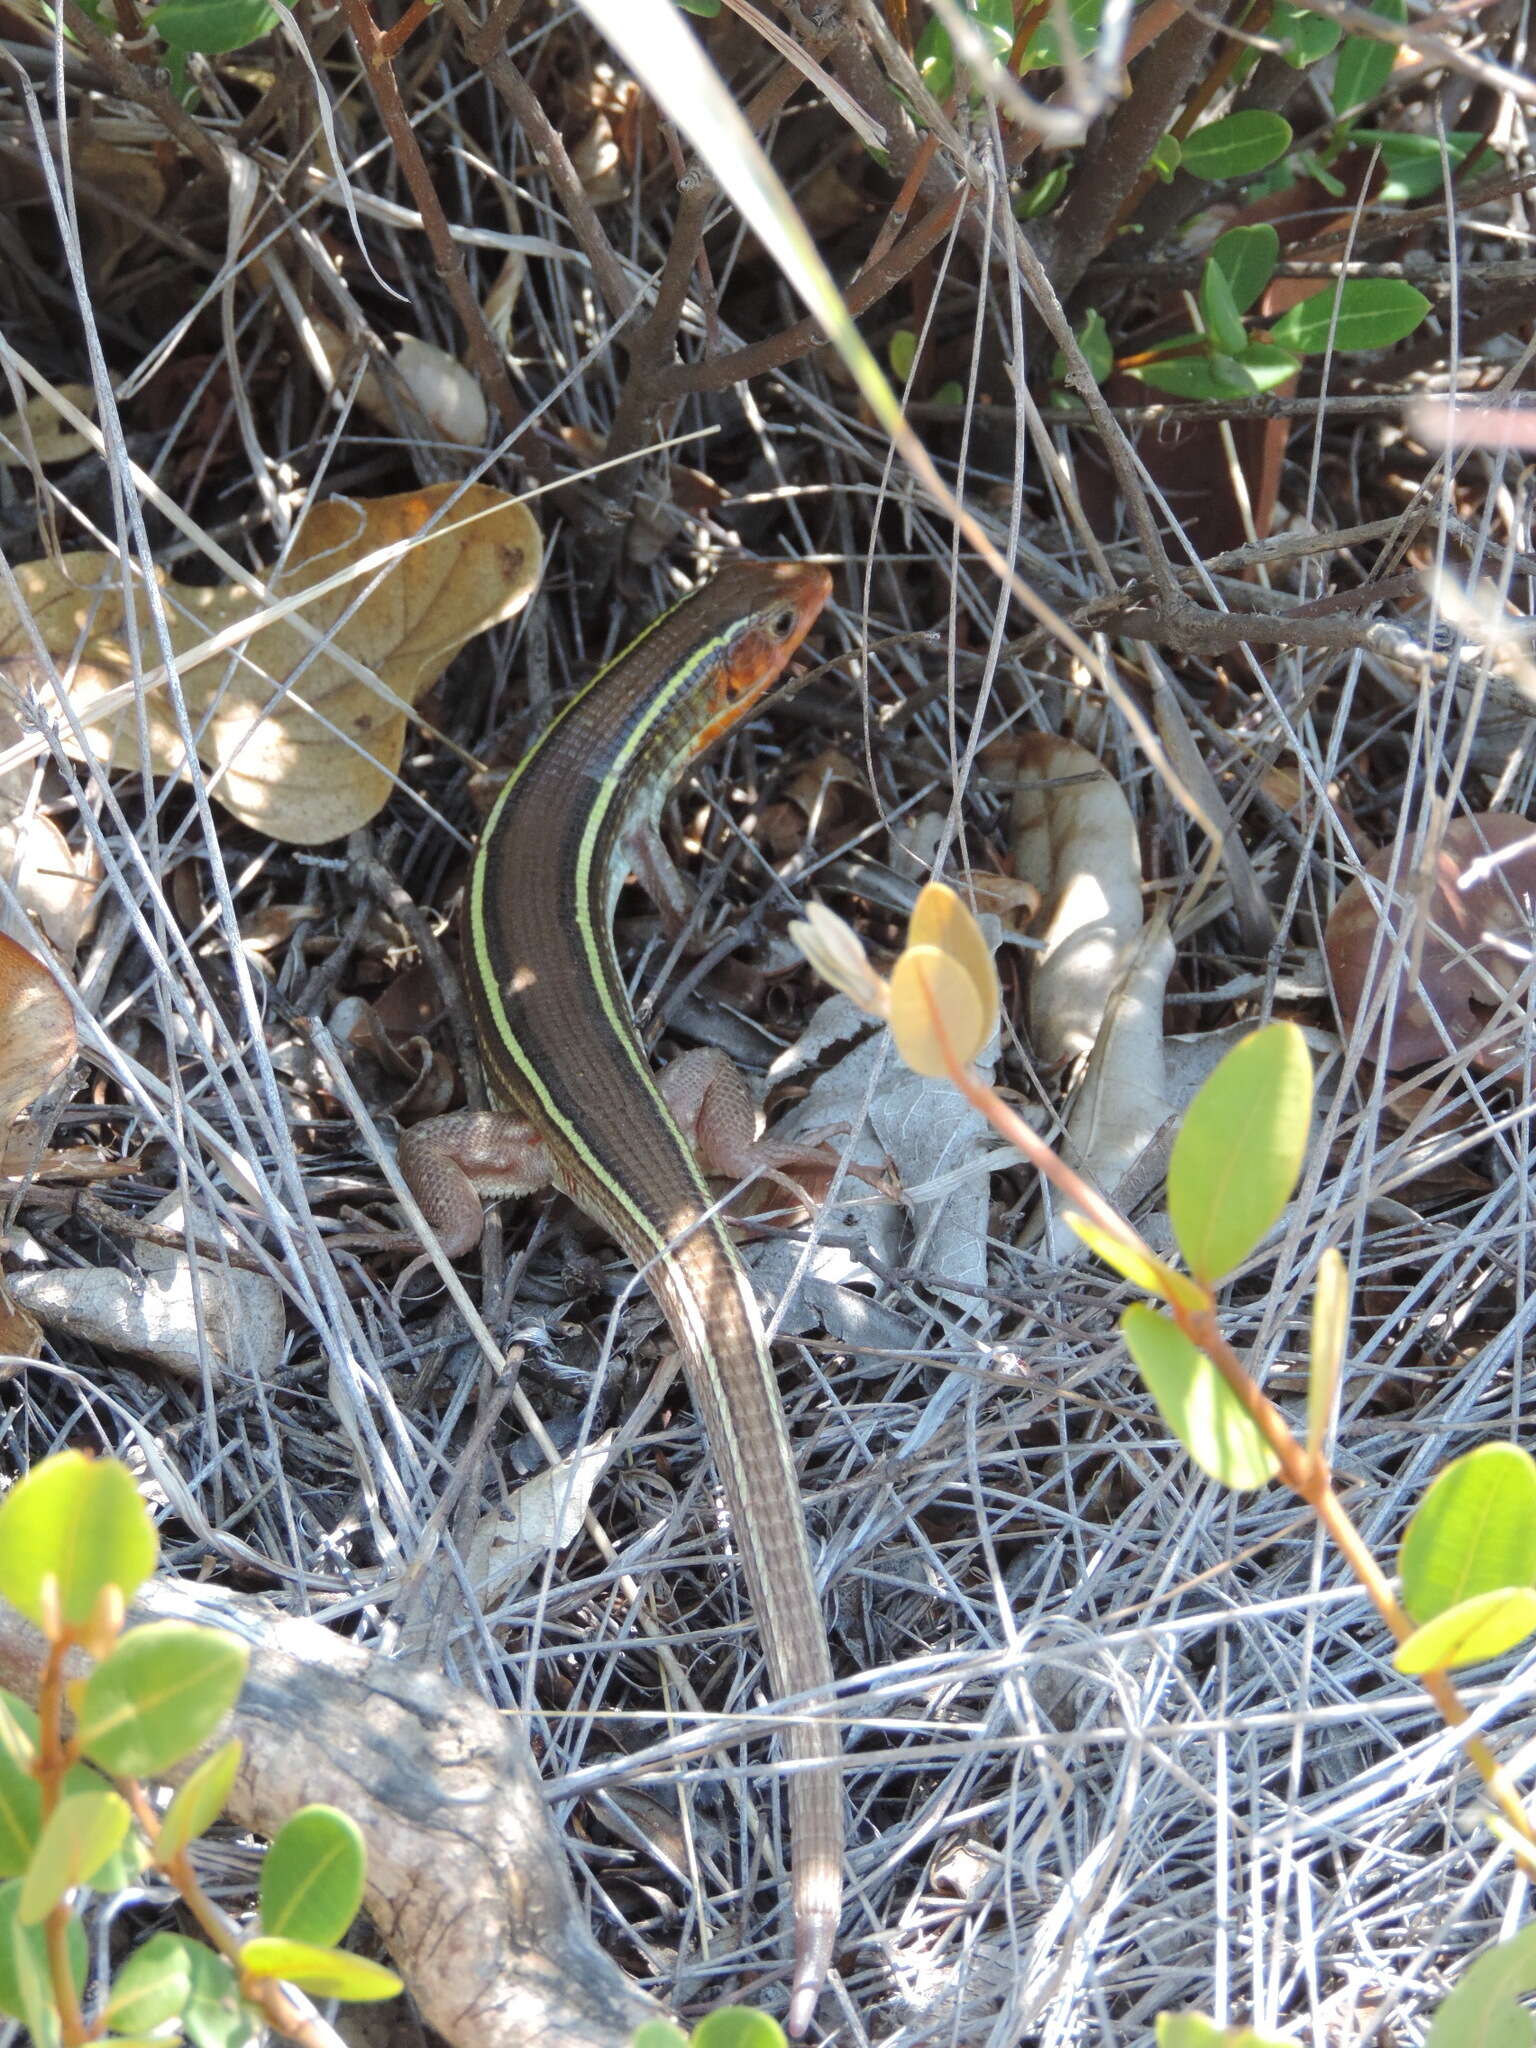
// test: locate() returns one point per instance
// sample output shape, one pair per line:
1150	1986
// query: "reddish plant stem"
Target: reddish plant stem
1307	1475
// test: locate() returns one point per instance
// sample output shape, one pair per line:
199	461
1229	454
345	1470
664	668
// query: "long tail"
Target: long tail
709	1303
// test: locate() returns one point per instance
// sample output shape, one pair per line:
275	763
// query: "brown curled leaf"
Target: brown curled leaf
1466	924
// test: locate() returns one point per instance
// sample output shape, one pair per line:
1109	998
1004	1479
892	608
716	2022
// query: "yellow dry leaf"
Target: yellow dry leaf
926	980
939	918
37	433
37	1029
297	744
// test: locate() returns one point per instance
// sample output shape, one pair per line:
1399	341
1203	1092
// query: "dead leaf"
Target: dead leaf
171	1312
1074	839
309	764
37	1029
54	886
430	384
1465	926
38	433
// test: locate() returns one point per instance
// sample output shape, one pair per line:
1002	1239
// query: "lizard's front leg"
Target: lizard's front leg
454	1164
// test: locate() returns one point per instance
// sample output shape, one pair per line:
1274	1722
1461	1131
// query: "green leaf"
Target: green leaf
1194	2030
1167	155
1043	50
1485	1626
705	9
154	1985
215	2015
323	1972
1415	163
81	1519
1237	145
1137	1264
1239	1150
1184	376
1196	1402
312	1880
658	2034
949	393
1474	1531
77	1838
128	1860
215	26
18	1730
20	1944
1037	200
1246	258
1304	38
1229	376
199	1802
1268	366
738	2026
1373	312
902	350
935	59
21	1796
160	1694
1093	340
1218	309
1481	2009
1365	62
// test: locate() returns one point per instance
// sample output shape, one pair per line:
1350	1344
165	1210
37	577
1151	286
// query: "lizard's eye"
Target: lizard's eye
783	622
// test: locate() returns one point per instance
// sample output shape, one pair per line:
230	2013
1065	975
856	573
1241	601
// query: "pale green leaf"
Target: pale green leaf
1194	2030
82	1520
1481	2011
23	1952
312	1879
738	2026
154	1985
160	1694
77	1839
1488	1625
199	1801
323	1972
1196	1402
1138	1265
1474	1531
1239	1150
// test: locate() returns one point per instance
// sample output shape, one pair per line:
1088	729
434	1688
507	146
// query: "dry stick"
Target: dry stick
130	83
484	354
1254	21
483	46
653	347
1072	238
1303	1471
807	337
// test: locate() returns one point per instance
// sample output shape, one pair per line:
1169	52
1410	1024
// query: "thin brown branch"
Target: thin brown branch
484	354
719	373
